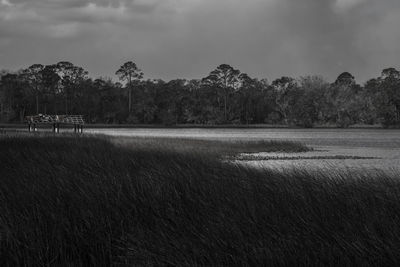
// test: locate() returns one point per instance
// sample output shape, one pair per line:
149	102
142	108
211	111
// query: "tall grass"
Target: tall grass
209	147
80	201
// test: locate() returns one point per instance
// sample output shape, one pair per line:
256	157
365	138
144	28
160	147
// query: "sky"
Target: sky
171	39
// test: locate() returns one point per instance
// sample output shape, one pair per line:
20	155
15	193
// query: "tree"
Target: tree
390	73
342	100
345	78
130	73
385	92
50	83
15	96
284	88
226	78
310	101
33	76
391	83
71	78
248	98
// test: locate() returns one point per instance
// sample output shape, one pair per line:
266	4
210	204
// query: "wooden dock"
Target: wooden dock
55	120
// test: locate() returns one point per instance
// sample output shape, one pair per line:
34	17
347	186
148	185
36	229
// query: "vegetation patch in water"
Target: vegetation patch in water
264	158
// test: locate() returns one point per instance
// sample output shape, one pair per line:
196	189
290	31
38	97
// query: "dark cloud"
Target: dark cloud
187	38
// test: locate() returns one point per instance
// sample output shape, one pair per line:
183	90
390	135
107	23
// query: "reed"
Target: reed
94	201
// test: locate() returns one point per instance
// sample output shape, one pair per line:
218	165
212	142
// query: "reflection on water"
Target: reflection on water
378	143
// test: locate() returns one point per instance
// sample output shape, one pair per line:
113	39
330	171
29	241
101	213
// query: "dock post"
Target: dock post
35	128
81	128
29	127
57	128
54	128
75	128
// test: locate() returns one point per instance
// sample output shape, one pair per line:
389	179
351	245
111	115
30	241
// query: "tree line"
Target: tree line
225	96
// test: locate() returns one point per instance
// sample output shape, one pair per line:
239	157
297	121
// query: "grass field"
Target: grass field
97	201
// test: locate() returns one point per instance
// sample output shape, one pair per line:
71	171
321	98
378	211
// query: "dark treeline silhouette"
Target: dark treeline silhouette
225	96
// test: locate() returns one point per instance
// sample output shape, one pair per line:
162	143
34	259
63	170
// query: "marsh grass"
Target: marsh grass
264	158
90	201
209	147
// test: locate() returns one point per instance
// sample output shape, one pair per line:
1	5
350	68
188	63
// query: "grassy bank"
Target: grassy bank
79	201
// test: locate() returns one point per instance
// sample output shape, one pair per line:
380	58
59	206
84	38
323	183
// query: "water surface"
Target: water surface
382	145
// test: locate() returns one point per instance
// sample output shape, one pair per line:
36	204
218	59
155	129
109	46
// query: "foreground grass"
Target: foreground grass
79	201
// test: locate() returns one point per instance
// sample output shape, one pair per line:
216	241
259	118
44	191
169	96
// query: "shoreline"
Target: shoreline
199	126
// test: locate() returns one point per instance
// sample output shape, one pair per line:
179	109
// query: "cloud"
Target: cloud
347	4
187	38
5	3
63	30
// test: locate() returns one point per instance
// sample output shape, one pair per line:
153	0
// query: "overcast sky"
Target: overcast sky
188	38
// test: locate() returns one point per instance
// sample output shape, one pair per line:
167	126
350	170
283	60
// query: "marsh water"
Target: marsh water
373	149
